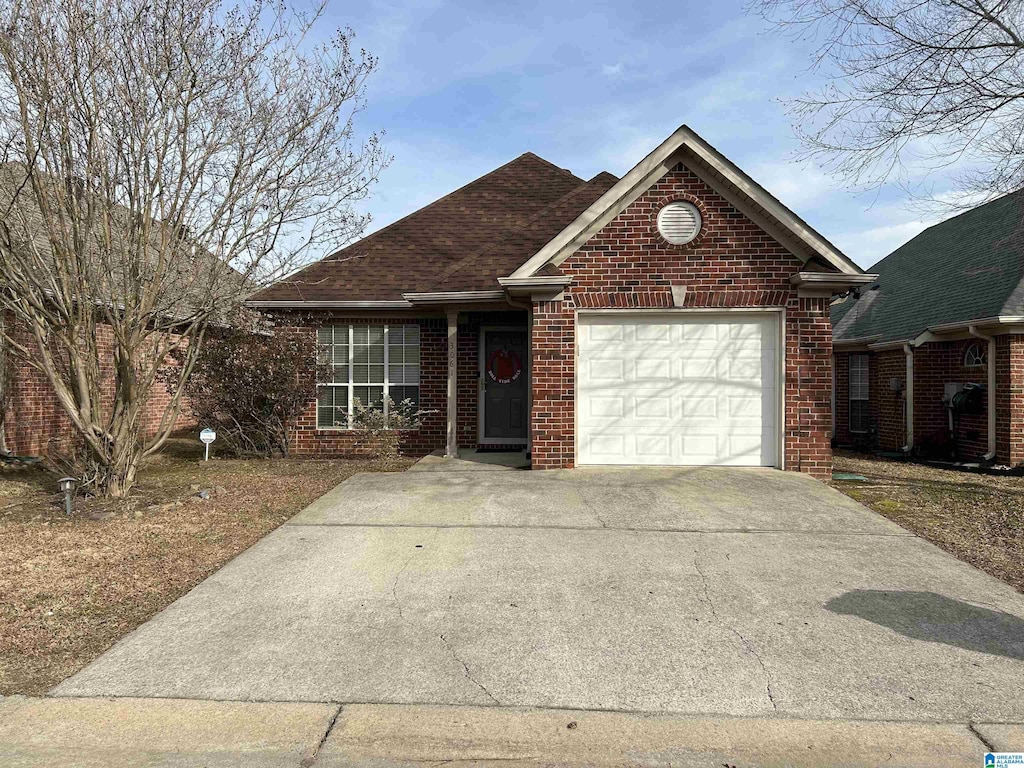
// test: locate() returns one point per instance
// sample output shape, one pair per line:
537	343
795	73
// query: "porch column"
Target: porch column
452	443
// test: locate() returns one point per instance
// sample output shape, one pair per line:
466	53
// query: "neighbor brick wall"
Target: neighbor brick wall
734	263
1010	399
935	364
37	425
887	406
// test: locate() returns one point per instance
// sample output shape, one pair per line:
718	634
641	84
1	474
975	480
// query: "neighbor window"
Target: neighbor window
366	363
858	393
974	357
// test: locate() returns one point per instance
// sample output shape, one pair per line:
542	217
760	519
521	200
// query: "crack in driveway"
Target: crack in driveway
398	577
747	645
587	504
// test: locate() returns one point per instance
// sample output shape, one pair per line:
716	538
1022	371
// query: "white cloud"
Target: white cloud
611	70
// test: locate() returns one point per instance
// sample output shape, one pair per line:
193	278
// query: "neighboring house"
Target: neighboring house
929	358
32	421
675	316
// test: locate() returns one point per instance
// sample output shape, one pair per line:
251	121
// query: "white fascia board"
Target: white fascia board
453	297
329	304
964	324
831	278
542	281
645	173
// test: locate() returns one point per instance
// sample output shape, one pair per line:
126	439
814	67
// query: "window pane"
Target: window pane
376	374
361	374
332	407
372	397
333	351
858	415
400	394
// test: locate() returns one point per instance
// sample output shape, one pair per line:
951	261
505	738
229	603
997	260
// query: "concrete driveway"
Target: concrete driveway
701	591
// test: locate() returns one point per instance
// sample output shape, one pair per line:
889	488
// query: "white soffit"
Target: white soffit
685	146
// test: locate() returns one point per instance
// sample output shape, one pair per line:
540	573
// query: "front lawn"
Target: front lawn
979	518
71	587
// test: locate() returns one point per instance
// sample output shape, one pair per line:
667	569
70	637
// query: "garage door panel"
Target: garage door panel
675	390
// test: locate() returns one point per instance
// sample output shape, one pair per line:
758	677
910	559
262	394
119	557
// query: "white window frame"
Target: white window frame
980	355
866	370
351	385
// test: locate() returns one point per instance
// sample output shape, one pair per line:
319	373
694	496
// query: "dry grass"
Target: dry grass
979	518
71	587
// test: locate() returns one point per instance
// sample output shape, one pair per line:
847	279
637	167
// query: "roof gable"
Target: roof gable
686	147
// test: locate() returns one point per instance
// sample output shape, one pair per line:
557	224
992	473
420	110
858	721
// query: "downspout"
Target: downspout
908	350
973	330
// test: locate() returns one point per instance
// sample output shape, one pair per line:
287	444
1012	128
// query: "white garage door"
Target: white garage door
678	389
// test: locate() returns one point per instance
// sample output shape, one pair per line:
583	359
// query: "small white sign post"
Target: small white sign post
207	436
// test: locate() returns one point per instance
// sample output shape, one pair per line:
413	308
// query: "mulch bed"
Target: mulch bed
71	587
979	518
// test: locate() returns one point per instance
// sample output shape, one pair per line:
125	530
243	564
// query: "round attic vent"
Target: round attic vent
679	222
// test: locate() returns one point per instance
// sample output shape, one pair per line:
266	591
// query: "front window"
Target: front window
368	365
859	393
974	357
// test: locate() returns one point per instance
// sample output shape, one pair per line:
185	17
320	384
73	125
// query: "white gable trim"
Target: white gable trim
676	148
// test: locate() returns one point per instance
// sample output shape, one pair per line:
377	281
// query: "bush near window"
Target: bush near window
252	388
382	425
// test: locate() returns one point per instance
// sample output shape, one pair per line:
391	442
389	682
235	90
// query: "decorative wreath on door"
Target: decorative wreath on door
504	366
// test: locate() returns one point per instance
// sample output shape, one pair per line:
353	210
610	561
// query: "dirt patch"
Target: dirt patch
979	518
73	586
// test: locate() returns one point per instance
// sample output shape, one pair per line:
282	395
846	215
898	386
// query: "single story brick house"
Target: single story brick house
676	316
929	358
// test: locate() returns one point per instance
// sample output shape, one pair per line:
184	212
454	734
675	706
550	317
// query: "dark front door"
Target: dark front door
505	382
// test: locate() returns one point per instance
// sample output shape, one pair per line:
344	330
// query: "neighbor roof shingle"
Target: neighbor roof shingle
966	268
464	241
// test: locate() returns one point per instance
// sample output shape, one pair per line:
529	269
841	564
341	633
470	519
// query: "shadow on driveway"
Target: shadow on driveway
937	619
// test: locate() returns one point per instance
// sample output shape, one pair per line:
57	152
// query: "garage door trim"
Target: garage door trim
780	365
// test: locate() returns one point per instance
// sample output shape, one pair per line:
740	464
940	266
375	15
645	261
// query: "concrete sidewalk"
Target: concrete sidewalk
174	733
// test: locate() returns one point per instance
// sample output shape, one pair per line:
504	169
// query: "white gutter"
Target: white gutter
908	350
973	330
330	304
453	297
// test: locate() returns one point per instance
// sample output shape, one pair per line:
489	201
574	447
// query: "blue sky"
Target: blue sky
464	87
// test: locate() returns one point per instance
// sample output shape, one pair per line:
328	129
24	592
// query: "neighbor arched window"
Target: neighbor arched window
974	357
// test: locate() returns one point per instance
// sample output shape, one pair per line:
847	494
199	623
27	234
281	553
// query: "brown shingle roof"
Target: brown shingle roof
464	241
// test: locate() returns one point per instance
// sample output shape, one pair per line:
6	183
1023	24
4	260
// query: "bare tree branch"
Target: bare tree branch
937	84
161	161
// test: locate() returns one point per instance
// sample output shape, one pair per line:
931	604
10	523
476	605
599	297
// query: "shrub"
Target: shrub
382	426
253	387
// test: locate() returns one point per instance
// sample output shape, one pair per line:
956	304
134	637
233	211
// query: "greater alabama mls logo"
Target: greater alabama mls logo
998	759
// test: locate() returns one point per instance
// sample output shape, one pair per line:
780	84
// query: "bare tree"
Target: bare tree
912	85
163	159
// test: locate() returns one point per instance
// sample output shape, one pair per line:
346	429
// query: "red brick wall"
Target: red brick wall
733	263
1010	399
308	440
935	364
37	425
887	406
